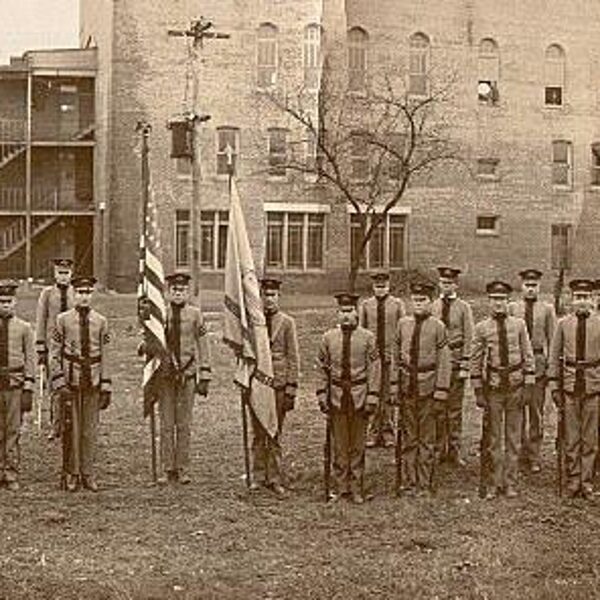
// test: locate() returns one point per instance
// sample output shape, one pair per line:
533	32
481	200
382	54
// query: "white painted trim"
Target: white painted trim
297	207
395	210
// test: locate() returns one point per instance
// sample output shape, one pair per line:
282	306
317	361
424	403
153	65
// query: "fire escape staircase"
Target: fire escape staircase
14	236
12	140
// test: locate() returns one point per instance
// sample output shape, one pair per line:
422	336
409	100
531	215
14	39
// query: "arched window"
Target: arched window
489	72
418	64
266	56
358	40
312	56
554	76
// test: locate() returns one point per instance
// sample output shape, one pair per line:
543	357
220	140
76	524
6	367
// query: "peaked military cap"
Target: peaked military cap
66	263
178	279
449	272
582	285
380	275
346	299
498	288
8	287
531	274
83	282
422	288
270	282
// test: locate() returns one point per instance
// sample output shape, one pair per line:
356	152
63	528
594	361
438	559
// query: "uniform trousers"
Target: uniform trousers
348	429
82	405
175	409
581	441
449	421
381	423
418	441
505	413
532	430
10	425
267	455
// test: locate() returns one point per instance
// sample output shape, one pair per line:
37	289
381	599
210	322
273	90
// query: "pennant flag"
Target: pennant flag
153	309
245	328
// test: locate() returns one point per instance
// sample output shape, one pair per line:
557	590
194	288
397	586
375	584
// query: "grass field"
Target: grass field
213	540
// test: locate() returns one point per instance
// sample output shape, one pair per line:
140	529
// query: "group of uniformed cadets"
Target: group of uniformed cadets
376	361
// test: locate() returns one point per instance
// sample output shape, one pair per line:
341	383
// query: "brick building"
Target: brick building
47	205
525	109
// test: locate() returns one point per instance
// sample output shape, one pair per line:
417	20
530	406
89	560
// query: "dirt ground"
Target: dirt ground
213	540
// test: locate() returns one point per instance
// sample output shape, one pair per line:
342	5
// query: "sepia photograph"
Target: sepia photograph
299	299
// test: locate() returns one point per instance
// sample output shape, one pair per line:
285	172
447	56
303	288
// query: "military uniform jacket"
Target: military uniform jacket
544	323
485	358
434	366
459	330
194	353
365	367
19	356
563	347
66	359
284	352
393	310
48	308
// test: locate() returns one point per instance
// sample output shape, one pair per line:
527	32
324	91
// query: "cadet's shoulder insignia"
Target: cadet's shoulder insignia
106	337
57	335
202	330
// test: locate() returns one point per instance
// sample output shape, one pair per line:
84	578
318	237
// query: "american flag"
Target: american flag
153	309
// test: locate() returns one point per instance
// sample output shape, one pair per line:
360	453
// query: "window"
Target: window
183	166
359	157
386	247
394	164
488	225
295	240
266	56
182	238
561	246
277	152
562	163
313	156
487	168
489	72
228	140
357	59
418	64
554	74
312	56
213	238
595	169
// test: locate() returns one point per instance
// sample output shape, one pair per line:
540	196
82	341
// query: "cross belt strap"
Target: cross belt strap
420	369
509	369
73	358
340	383
456	344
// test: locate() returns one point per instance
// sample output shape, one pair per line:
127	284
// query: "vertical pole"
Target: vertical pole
28	228
196	175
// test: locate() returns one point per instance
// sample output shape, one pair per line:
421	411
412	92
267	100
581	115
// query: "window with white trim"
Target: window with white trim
295	240
266	76
227	137
312	56
562	163
488	225
554	75
387	245
359	156
277	151
213	238
560	248
182	238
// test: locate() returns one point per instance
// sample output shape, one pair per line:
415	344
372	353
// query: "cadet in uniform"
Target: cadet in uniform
457	316
540	320
17	367
52	301
575	349
502	346
380	314
79	373
267	454
349	379
186	372
422	371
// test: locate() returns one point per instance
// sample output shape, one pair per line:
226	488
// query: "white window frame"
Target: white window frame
271	40
276	176
183	223
217	220
236	150
423	52
569	164
552	64
311	56
489	71
357	46
488	232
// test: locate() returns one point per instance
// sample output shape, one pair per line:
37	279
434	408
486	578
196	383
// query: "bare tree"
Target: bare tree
367	146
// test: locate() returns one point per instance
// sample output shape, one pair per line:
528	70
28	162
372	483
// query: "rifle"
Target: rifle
66	432
41	396
484	443
327	445
399	424
560	429
245	399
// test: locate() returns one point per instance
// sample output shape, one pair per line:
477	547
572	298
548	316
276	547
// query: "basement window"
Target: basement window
488	225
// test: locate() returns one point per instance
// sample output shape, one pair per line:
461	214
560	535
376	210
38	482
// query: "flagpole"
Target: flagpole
244	393
145	128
